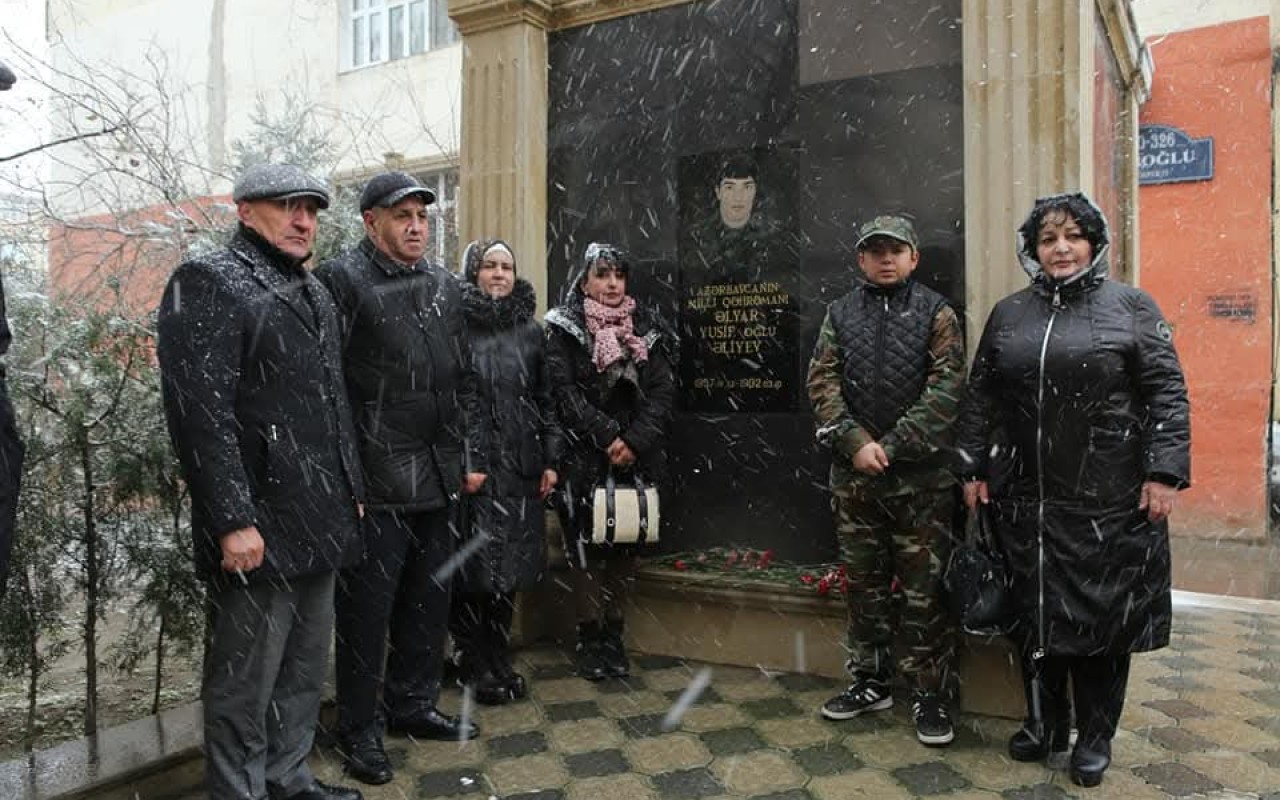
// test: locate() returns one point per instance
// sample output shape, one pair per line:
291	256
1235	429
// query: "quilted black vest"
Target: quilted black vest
885	337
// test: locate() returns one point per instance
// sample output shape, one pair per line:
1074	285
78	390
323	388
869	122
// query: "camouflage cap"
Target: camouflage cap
894	227
279	182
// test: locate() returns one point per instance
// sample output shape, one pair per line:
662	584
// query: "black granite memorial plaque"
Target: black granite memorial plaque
739	250
847	110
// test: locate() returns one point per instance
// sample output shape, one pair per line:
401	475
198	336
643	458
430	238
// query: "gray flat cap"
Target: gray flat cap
279	182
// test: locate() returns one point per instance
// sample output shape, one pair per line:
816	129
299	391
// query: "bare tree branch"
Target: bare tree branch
79	137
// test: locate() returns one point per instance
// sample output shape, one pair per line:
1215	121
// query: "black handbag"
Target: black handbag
977	581
624	514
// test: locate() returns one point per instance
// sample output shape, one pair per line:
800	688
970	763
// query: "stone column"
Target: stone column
1022	138
503	176
1029	119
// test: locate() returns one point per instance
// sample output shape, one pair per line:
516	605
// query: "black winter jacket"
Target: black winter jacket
1080	383
409	378
12	455
251	369
594	413
885	335
524	438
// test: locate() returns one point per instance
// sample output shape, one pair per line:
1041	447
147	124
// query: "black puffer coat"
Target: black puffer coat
524	439
594	412
409	378
251	370
1079	381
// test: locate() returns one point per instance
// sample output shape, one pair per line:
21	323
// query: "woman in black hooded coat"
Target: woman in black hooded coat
526	444
612	372
1077	380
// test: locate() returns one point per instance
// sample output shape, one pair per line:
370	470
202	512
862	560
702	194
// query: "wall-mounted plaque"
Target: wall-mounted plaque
738	256
1168	155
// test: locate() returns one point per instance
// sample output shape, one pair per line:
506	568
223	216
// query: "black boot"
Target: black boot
503	609
1036	741
517	687
1048	737
614	651
1089	760
1099	683
588	655
364	758
478	672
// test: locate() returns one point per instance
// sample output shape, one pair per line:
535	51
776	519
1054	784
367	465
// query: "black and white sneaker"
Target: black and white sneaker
863	696
933	722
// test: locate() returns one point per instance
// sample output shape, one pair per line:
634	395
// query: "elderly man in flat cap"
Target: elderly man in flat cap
414	394
251	366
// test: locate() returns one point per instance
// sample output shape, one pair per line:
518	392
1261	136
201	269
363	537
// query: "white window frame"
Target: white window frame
442	211
366	22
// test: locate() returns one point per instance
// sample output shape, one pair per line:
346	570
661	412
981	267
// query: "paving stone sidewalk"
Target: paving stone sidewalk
1202	720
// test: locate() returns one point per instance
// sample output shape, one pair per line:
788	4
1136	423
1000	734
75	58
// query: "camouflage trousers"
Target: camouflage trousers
894	550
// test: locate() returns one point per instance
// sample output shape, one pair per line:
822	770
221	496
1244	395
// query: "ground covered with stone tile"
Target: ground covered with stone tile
1202	721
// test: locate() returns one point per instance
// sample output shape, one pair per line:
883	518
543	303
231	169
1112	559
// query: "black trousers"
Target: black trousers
1097	684
392	613
481	626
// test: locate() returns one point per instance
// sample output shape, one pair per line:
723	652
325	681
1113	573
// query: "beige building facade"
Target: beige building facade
197	80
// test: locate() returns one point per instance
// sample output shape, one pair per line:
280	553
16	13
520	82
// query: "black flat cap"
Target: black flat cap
388	188
7	78
279	182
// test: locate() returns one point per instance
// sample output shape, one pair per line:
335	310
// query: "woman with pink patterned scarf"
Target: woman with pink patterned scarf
611	364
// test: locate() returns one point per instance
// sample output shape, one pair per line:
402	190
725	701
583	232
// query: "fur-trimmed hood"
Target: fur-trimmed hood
485	312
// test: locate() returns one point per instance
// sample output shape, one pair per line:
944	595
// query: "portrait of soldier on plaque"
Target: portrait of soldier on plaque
735	239
738	259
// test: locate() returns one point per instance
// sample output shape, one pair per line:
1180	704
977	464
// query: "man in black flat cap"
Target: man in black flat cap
410	382
251	369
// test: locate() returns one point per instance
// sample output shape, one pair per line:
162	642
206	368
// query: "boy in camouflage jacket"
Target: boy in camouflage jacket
885	383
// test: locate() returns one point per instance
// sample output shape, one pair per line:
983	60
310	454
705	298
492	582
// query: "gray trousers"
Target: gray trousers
264	668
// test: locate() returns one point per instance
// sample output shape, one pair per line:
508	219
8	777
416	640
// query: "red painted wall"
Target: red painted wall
1205	241
91	254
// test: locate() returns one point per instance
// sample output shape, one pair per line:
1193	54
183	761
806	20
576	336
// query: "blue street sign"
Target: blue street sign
1167	155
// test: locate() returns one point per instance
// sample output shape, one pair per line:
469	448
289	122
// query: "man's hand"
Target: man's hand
242	550
548	484
975	492
871	459
621	454
1157	500
472	481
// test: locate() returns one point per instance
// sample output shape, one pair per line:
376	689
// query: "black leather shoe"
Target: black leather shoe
321	791
431	724
364	759
1088	763
491	690
516	686
1030	744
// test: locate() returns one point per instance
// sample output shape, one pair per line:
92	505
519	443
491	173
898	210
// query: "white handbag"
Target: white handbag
624	514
